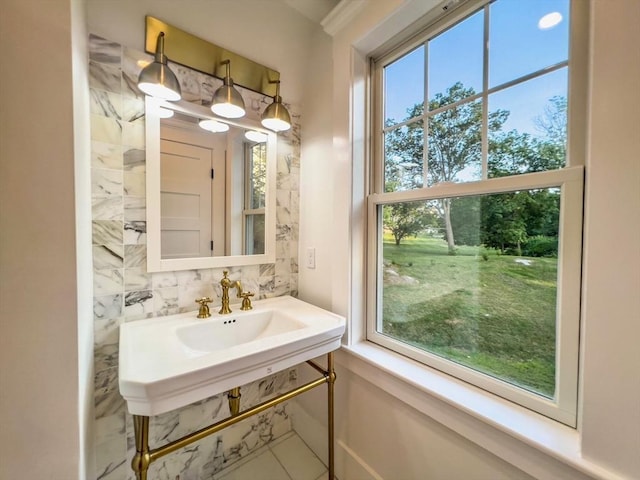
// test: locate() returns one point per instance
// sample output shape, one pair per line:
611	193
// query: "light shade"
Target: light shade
157	79
164	112
227	101
255	136
212	125
276	117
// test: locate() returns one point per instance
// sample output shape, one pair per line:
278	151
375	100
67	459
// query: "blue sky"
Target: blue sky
517	47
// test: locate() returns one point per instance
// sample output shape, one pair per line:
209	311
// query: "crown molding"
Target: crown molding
341	15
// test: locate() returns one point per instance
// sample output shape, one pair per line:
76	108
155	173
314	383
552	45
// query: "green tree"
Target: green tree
513	152
454	146
406	219
542	212
403	171
552	124
466	220
503	221
551	146
509	220
403	166
454	143
510	153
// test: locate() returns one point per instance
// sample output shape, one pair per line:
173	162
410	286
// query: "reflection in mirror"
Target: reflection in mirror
210	189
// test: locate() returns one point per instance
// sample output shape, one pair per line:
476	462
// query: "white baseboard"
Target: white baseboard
349	465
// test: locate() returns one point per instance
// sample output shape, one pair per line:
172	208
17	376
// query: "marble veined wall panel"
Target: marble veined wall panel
124	290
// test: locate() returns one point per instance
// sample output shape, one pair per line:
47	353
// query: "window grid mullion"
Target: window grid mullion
379	146
484	137
425	122
490	91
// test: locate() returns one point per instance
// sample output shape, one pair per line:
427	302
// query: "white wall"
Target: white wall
40	433
399	443
317	175
316	222
374	428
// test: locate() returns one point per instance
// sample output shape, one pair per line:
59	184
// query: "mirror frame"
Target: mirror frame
155	262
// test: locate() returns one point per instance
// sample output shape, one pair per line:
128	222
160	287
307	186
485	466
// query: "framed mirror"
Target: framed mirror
211	189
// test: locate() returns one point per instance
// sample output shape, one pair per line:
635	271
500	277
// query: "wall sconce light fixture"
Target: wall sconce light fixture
157	79
276	117
227	101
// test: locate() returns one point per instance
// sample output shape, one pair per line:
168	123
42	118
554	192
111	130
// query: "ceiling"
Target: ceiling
314	10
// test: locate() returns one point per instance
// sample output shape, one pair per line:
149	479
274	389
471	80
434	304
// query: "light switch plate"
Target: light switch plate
311	257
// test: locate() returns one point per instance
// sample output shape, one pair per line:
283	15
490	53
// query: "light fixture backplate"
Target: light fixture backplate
193	52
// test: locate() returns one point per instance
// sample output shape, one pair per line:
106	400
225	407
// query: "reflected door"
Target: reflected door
192	221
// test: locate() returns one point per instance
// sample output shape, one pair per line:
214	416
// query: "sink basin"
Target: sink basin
219	333
169	362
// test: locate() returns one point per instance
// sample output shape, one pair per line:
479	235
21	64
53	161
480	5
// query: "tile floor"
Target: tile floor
287	458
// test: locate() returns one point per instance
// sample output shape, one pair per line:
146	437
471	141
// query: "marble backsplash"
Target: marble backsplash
124	291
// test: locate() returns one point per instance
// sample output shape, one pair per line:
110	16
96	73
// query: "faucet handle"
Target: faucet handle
246	300
204	308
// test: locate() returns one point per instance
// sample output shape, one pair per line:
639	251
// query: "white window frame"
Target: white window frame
570	180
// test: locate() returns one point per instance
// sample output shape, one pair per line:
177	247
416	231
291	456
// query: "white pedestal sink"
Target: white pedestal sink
169	362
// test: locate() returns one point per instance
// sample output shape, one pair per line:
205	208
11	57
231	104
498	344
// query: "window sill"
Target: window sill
537	445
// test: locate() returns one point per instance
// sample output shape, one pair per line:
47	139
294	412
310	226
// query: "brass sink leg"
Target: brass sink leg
331	378
234	400
141	460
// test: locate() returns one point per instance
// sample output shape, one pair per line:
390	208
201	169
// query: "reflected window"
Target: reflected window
255	198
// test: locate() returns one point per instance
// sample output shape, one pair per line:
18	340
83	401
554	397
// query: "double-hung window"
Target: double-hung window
475	201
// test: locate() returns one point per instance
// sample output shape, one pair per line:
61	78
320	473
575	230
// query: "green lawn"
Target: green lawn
492	314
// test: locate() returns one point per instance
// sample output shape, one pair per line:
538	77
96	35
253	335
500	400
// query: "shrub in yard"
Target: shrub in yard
541	246
514	251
